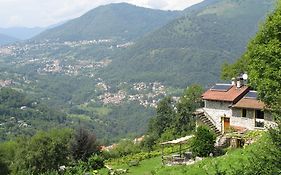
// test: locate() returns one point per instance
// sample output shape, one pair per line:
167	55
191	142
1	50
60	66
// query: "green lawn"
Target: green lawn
145	167
233	158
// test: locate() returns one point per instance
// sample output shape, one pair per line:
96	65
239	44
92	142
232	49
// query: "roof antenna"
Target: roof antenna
245	77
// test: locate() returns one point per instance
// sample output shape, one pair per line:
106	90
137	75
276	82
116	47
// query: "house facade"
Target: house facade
251	113
235	106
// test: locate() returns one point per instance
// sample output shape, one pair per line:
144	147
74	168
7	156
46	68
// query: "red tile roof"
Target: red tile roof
232	95
249	103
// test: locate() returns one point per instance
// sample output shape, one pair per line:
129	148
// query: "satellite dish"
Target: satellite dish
245	76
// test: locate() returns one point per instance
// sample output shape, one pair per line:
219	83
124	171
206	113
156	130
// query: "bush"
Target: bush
43	152
84	145
123	148
203	143
148	143
96	162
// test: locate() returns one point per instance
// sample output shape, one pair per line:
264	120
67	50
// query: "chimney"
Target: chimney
233	81
239	82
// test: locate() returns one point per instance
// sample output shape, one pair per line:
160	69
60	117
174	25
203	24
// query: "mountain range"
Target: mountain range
22	33
192	48
170	49
25	33
175	47
114	21
5	39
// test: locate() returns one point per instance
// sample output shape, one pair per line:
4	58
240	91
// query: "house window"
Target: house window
259	118
259	114
259	123
244	113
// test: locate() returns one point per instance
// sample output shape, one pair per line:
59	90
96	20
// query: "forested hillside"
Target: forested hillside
192	48
22	115
71	93
114	21
113	86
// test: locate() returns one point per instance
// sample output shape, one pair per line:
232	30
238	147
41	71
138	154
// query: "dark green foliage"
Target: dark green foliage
22	116
4	167
148	142
175	119
96	162
164	117
114	21
84	145
203	142
7	155
262	60
42	152
12	98
268	160
264	161
188	103
45	152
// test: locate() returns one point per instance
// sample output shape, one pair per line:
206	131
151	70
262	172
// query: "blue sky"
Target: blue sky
32	13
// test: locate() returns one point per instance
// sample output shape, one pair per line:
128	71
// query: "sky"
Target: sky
42	13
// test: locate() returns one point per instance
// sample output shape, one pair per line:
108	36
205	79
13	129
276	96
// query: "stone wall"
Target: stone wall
249	121
217	105
216	110
246	122
216	116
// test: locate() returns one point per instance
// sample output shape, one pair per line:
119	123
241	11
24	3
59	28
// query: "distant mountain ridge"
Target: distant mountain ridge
5	39
22	33
191	49
120	20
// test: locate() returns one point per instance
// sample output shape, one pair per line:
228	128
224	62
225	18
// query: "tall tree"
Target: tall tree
203	142
188	103
84	145
164	116
262	61
43	152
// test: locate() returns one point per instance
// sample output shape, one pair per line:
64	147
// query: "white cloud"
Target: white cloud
46	12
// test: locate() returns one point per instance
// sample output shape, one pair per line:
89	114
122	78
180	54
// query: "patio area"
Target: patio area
181	157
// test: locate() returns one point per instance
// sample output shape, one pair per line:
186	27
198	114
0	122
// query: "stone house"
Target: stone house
233	106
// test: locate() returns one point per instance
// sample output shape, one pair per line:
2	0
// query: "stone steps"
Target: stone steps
207	122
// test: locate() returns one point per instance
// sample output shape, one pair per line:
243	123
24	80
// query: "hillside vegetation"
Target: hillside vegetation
192	48
65	151
114	21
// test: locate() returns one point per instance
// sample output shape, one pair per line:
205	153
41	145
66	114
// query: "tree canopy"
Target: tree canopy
174	118
262	60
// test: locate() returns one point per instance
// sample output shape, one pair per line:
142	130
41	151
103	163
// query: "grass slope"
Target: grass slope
233	159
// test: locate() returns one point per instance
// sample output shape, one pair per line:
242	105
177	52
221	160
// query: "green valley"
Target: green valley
120	90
